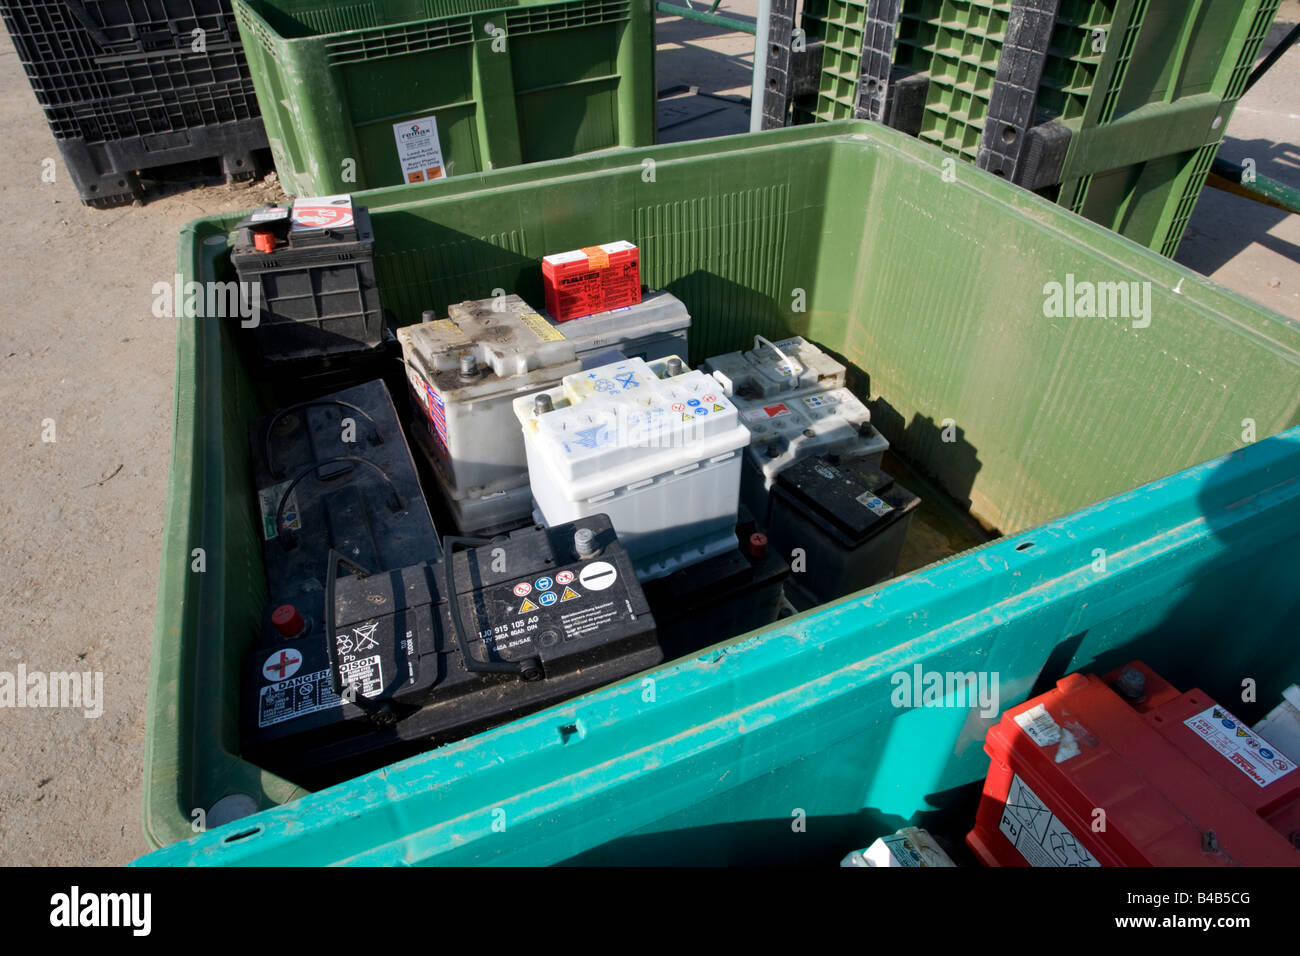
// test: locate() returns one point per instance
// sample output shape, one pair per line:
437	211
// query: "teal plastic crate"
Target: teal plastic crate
505	83
1145	89
1025	418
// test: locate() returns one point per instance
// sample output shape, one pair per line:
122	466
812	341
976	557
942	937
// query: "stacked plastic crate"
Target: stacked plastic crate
1112	108
129	85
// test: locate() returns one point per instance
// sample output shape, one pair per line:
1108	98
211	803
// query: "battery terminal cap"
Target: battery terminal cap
757	545
264	241
288	621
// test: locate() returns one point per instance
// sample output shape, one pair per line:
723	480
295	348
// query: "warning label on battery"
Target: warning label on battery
365	675
297	697
1036	833
418	150
269	499
873	504
1240	746
541	328
579	623
766	412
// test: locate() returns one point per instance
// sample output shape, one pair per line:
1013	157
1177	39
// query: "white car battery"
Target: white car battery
464	371
654	445
793	399
654	328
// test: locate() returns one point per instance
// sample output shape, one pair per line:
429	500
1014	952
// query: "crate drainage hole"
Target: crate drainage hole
242	835
569	731
1024	546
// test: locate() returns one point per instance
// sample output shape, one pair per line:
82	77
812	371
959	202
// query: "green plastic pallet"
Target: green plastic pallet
1145	87
836	232
506	83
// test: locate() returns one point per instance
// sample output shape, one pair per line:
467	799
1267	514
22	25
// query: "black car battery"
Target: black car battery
538	616
720	597
336	473
840	523
313	269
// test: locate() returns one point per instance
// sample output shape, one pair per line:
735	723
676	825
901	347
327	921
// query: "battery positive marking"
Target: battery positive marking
527	606
1036	833
570	595
523	589
1240	746
598	575
548	599
281	665
564	577
543	583
296	697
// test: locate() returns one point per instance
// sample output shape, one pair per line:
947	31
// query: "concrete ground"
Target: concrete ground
86	382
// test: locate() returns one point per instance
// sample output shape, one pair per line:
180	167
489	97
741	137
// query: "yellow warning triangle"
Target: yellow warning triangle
718	408
1241	732
527	606
686	418
569	594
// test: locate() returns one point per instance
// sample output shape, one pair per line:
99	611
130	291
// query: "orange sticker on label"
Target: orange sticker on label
597	257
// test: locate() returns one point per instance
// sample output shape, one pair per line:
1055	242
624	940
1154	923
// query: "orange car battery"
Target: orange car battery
1127	771
594	279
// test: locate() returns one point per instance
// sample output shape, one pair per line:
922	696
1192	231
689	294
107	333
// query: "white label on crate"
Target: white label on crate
269	500
322	212
598	575
1039	725
1240	746
419	151
765	413
1036	833
297	697
873	504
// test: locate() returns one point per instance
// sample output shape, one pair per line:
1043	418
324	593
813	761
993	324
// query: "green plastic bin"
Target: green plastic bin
505	83
1026	417
1145	89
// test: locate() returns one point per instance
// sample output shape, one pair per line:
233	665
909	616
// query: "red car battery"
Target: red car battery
591	280
1127	771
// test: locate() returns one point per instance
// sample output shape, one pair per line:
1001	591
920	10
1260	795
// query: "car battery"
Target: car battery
653	445
593	279
464	371
846	518
721	597
537	617
793	399
1127	771
313	267
336	473
656	327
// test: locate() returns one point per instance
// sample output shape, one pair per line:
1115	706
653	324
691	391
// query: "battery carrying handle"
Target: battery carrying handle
530	668
795	368
285	536
276	472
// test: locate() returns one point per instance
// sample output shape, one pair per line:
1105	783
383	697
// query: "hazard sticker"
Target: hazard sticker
766	412
522	589
527	606
564	577
1240	746
1037	834
569	594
